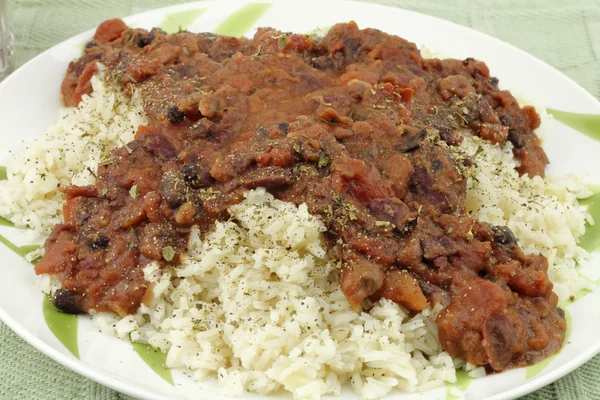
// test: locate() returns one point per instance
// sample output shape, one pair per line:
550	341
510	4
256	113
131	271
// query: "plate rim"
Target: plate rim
133	389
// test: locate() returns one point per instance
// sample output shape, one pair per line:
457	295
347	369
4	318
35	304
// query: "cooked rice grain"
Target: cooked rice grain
544	214
257	303
67	154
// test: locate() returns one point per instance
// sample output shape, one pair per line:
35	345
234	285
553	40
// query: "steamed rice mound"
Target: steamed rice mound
258	303
543	213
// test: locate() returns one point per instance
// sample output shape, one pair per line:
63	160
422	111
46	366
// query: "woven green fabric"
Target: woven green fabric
565	34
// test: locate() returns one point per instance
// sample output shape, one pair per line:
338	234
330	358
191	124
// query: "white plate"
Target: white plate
29	102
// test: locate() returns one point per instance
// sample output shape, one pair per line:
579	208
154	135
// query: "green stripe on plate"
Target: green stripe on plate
319	31
242	20
22	251
581	294
82	45
535	369
180	21
5	222
155	359
62	325
590	240
588	124
463	381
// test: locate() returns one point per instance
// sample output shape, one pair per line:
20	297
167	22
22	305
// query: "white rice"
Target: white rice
66	154
544	214
257	304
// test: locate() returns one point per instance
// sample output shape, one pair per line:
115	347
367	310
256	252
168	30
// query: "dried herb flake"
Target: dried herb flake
133	192
323	160
282	42
168	253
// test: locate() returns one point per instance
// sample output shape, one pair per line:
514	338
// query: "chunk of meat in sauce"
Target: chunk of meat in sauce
358	126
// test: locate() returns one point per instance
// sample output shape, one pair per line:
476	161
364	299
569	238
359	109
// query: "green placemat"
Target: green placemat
565	34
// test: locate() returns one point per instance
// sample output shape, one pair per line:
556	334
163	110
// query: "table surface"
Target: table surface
563	33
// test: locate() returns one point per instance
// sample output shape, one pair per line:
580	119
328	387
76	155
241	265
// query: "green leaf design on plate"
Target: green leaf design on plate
5	222
463	380
581	294
242	20
588	124
180	20
82	45
62	325
535	369
155	360
22	251
591	238
319	31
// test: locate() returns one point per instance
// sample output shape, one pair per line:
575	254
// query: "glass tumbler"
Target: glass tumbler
6	40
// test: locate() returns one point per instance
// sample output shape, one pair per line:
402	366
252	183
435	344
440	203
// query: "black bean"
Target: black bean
504	235
90	44
283	127
150	37
67	301
494	82
96	242
517	139
140	41
506	120
174	115
195	176
436	164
